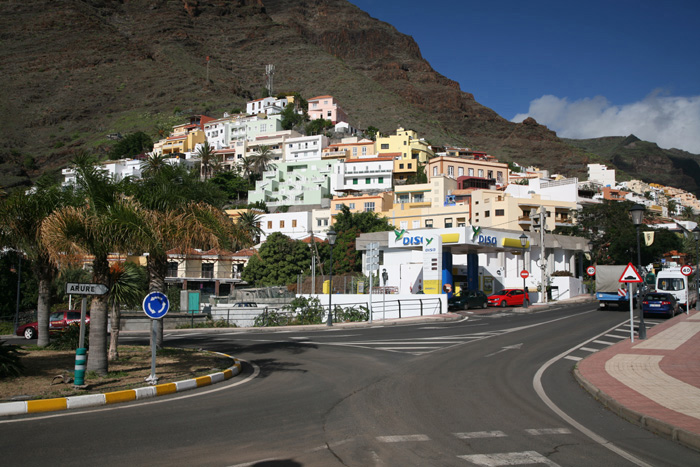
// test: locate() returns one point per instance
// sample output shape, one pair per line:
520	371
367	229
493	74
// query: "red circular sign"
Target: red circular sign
524	274
590	270
686	270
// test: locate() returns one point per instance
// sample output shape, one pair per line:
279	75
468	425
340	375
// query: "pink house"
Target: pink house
326	107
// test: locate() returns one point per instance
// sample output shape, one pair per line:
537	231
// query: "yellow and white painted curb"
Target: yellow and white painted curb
95	400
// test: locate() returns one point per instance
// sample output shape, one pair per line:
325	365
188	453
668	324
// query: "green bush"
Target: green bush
69	338
271	318
351	314
209	323
10	364
7	328
305	310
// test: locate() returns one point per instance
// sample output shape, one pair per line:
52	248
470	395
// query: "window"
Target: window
435	171
380	179
418	198
460	171
429	223
450	171
416	224
294	222
354	181
385	146
369	206
269	224
403	198
208	270
322	222
364	150
403	225
471	172
500	212
481	173
400	166
490	174
172	269
329	113
281	224
487	213
354	151
410	165
368	181
351	206
448	223
338	206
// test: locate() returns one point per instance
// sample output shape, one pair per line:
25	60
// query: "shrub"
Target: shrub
271	318
69	338
351	314
306	310
10	364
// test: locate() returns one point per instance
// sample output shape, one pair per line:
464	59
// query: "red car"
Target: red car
508	297
58	321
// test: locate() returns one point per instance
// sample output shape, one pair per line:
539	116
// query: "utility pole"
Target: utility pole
538	217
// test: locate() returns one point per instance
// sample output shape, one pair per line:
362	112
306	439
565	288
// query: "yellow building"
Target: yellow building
180	143
456	167
377	202
410	147
494	208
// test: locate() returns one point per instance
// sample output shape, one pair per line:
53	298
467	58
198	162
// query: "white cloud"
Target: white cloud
670	122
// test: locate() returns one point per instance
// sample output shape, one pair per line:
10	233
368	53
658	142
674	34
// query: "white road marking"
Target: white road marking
571	357
509	458
300	338
615	336
587	349
598	341
548	431
402	438
480	434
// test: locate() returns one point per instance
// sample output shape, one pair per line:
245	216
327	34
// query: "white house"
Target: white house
304	148
372	173
295	225
266	105
601	174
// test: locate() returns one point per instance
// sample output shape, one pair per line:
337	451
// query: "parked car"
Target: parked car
58	321
508	297
660	303
466	299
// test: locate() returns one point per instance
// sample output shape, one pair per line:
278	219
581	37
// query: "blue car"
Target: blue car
659	303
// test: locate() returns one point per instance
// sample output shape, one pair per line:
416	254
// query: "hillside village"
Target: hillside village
413	183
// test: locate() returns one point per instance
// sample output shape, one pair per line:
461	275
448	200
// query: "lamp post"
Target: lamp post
331	241
696	232
385	277
637	212
523	242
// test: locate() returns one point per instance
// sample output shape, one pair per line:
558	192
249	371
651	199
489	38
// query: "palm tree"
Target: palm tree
261	159
21	216
246	166
207	158
126	280
153	164
92	229
249	222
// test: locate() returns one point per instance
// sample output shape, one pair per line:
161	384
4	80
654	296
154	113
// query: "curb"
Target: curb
129	395
656	426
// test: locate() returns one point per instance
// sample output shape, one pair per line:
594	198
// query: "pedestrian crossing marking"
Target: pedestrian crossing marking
509	458
480	434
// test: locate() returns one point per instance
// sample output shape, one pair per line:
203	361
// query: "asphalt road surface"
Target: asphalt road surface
491	390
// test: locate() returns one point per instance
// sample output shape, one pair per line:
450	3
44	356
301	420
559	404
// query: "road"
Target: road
490	390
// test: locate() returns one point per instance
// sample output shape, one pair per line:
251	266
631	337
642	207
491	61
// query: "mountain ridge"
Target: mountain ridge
75	71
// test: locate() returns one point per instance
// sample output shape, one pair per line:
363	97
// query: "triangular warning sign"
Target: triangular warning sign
630	275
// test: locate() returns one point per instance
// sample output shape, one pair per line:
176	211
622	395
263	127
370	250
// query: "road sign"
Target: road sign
630	275
686	270
524	274
73	288
590	270
156	305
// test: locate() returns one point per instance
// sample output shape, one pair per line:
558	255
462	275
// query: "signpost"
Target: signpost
686	270
155	305
76	288
631	276
524	274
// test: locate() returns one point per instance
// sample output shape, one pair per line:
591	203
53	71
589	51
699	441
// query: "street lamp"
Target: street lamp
385	277
523	242
331	241
696	232
637	213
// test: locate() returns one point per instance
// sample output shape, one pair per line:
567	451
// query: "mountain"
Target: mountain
75	71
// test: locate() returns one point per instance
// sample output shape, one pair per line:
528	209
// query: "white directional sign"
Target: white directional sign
86	289
156	305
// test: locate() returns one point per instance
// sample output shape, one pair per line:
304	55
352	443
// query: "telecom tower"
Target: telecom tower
270	72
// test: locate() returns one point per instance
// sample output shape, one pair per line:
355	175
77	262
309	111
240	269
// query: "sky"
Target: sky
584	69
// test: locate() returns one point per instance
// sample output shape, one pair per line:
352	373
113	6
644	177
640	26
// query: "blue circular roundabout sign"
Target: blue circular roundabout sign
156	305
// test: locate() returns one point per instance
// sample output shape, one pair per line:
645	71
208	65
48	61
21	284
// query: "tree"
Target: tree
91	229
128	287
318	126
206	155
132	145
349	226
278	261
235	186
371	132
249	222
261	159
290	117
21	216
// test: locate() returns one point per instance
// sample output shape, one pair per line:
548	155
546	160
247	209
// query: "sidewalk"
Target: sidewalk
653	383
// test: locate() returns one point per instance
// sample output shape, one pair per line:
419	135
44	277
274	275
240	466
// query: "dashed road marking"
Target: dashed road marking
480	434
548	431
402	438
615	336
588	349
571	357
598	341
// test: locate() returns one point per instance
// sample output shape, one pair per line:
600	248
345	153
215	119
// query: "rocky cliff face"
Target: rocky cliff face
74	71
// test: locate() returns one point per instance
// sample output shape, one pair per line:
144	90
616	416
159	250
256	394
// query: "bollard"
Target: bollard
80	361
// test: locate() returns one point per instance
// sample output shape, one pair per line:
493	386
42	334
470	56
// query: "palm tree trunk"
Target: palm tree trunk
97	356
115	317
157	264
43	308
